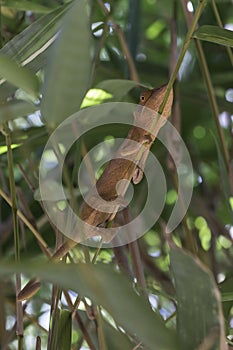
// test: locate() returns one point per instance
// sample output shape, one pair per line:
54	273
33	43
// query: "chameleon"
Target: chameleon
128	164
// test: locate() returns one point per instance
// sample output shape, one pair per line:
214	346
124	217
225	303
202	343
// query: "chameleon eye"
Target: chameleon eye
142	98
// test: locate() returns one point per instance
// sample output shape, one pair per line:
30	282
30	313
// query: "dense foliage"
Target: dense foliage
162	291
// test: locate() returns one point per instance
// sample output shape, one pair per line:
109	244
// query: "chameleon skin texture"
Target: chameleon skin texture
120	168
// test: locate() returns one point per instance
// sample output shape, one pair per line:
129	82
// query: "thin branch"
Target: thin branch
184	49
19	309
21	216
219	21
209	86
136	260
121	37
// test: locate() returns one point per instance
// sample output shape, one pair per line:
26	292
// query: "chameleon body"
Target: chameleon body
122	169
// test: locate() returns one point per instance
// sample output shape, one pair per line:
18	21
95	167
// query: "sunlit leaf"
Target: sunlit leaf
155	29
94	97
3	149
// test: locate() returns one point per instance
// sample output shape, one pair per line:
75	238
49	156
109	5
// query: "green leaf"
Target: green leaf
226	288
116	339
30	47
94	97
227	296
68	72
53	193
16	109
20	76
224	177
64	330
24	5
108	288
118	87
215	35
199	312
28	44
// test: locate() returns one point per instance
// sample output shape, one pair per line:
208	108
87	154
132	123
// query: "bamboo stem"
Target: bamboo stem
184	49
19	309
210	89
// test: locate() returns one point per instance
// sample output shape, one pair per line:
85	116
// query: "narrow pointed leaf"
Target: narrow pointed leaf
109	289
30	47
28	44
115	339
215	35
199	312
117	87
224	177
15	109
64	330
19	76
67	76
25	5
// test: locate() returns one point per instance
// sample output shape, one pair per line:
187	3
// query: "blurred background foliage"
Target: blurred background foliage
76	54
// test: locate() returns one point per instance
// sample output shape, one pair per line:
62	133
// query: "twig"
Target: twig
19	309
191	30
219	21
43	244
83	329
38	343
136	260
121	37
209	86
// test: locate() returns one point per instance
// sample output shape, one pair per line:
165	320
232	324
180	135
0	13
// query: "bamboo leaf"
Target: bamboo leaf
226	288
117	87
215	35
24	46
30	47
224	177
64	330
19	76
115	339
68	71
24	5
109	289
199	312
15	109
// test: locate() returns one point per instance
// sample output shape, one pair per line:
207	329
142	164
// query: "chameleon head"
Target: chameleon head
153	99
